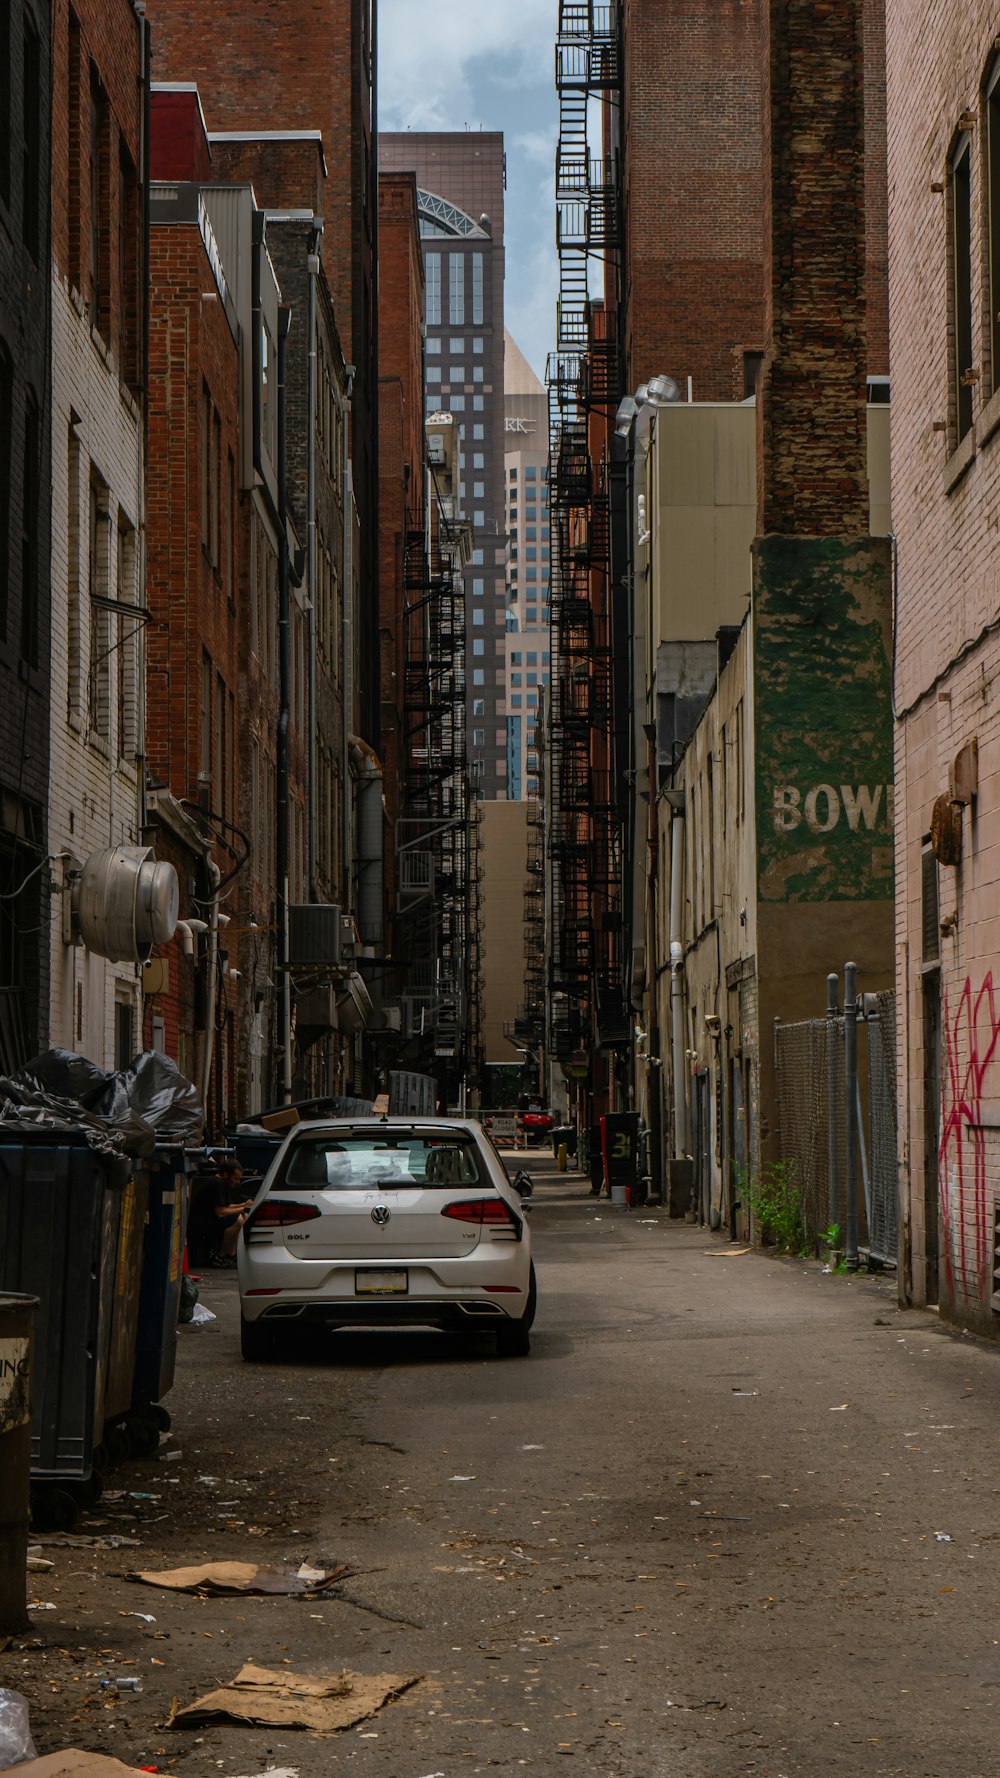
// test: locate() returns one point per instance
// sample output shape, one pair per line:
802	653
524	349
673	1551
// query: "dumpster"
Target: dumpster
60	1209
17	1329
118	1385
563	1134
168	1191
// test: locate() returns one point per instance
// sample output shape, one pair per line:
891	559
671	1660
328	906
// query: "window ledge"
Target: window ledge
76	300
129	402
103	351
959	461
989	419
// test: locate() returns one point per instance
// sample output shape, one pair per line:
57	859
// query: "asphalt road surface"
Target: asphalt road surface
731	1516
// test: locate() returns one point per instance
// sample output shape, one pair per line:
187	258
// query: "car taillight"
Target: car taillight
491	1213
277	1213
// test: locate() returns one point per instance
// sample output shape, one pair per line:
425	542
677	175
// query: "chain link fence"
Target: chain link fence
811	1091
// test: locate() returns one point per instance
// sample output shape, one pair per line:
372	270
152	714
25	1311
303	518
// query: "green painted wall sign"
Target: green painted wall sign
823	718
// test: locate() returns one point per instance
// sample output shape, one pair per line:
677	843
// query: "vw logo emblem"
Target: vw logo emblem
381	1214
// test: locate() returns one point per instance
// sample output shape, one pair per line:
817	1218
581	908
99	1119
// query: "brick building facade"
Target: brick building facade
98	478
401	470
195	581
25	535
945	356
308	66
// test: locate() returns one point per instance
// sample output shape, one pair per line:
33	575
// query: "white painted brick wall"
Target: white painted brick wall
92	801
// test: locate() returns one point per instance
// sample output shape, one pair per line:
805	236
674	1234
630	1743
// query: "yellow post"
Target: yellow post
561	1157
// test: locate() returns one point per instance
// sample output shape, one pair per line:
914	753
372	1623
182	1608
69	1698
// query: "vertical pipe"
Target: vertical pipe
851	1116
281	825
312	266
832	1156
678	1060
347	637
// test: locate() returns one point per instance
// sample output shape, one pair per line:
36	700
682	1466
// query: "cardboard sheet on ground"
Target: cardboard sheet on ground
323	1702
72	1762
244	1577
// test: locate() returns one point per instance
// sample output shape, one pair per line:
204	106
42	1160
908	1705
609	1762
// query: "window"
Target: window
456	373
531	533
433	375
532	699
477	404
456	289
930	910
531	573
478	587
228	508
961	243
479	431
128	255
478	676
479	706
478	645
477	345
6	448
515	701
531	615
479	737
531	473
456	345
532	659
457	404
432	285
531	553
31	184
515	660
31	501
433	347
532	678
478	460
477	289
219	766
515	678
215	477
478	373
100	220
479	490
98	579
478	617
205	768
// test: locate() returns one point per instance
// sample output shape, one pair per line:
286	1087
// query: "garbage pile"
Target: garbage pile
124	1113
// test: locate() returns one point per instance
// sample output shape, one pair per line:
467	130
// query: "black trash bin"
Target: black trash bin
60	1215
168	1194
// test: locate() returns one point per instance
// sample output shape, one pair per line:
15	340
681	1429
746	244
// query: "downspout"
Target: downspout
312	266
347	636
281	825
365	762
678	1060
143	596
212	964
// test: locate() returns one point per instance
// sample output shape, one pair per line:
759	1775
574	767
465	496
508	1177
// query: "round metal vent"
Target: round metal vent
125	902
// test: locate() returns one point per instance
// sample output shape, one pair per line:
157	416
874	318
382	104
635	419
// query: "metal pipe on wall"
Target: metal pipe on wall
312	267
678	1059
851	1116
284	717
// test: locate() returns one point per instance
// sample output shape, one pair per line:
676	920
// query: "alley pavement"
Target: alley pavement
733	1515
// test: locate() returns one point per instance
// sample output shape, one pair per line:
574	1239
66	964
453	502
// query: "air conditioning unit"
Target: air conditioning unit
123	901
314	935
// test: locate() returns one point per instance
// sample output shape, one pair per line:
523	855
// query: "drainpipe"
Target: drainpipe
212	964
281	824
678	1061
366	764
312	267
347	635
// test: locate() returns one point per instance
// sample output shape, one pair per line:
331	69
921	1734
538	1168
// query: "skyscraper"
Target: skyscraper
460	196
526	470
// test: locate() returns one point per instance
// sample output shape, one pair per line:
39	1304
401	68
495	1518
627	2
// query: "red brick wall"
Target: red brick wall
191	345
695	200
178	148
109	42
812	462
693	177
285	175
401	455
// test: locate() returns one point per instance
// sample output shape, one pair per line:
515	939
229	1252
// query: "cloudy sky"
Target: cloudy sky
447	63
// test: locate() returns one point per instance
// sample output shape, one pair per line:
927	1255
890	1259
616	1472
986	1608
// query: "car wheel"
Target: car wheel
514	1338
258	1344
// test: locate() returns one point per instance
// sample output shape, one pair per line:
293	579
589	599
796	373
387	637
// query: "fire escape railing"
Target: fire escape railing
581	819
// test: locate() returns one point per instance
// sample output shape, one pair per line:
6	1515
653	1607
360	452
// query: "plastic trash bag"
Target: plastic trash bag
188	1300
16	1744
148	1102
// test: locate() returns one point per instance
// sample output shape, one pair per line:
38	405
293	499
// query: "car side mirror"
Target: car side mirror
522	1184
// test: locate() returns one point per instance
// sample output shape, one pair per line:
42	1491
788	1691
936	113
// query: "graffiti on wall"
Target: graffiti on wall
971	1042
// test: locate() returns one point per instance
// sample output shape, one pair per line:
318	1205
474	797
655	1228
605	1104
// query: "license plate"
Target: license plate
381	1283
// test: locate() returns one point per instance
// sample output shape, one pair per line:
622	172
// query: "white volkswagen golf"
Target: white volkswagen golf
386	1222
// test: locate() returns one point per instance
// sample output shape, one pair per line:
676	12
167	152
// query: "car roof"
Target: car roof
371	1121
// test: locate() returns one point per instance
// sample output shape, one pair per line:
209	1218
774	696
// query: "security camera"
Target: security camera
713	1024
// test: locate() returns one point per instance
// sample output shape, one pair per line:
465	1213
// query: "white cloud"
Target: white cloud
425	47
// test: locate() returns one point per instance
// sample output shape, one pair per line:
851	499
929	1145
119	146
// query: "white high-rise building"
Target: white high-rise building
526	475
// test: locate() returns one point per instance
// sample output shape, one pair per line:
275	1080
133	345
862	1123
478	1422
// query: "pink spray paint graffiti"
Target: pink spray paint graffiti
971	1040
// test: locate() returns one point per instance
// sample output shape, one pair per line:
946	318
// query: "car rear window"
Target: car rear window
376	1159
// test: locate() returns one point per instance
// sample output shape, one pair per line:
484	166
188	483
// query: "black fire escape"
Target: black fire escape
437	843
581	817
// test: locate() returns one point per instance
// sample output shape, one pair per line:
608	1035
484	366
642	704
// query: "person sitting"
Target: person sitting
217	1215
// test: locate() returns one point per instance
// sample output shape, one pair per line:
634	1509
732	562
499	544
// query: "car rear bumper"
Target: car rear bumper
386	1312
489	1285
